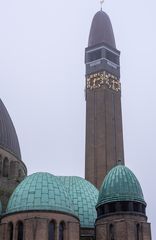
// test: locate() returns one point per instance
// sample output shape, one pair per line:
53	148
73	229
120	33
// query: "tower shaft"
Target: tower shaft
104	137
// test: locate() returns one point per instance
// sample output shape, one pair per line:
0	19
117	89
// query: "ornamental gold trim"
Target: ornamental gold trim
103	80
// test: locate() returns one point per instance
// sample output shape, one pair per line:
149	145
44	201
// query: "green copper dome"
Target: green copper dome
40	191
120	184
84	197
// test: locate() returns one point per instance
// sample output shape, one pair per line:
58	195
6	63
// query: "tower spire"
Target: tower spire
101	3
104	138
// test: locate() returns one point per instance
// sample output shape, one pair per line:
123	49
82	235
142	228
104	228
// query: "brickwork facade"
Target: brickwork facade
36	226
12	172
87	233
104	138
123	226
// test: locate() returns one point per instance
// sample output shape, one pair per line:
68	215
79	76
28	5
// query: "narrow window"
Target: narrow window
95	55
144	209
51	231
61	231
112	207
125	206
138	207
111	232
137	232
5	167
19	231
112	57
10	231
12	169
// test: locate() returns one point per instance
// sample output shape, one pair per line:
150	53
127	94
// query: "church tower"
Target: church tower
12	169
121	208
104	136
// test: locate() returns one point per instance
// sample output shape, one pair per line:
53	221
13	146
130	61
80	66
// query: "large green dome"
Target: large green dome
40	191
120	184
84	197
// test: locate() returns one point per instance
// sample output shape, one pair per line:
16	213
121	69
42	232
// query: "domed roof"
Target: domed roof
84	197
8	136
40	191
120	184
101	30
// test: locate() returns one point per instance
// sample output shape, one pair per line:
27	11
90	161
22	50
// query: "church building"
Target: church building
108	204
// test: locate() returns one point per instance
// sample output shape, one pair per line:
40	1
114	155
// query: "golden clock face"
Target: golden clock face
95	80
103	79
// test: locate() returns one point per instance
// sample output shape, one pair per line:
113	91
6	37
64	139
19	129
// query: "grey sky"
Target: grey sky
42	82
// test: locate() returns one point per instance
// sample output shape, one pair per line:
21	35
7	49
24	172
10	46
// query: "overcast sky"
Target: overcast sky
42	82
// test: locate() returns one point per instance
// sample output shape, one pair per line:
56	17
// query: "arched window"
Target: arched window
111	232
61	231
137	232
20	231
10	231
52	231
12	169
5	167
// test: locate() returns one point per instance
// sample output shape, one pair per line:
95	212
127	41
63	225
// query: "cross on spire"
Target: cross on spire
101	2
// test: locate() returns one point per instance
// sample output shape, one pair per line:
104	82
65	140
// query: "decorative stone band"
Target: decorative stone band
103	80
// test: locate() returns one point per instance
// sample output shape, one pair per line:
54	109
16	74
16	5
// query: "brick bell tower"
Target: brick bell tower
104	135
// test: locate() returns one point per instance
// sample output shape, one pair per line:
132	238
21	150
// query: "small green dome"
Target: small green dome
120	184
40	191
84	197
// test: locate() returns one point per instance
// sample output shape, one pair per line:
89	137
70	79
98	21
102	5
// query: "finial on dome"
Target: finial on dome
101	2
119	162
